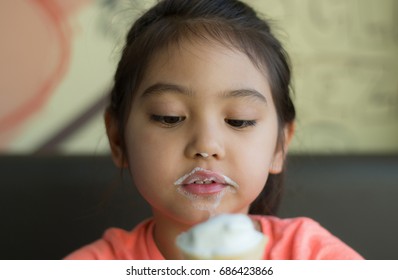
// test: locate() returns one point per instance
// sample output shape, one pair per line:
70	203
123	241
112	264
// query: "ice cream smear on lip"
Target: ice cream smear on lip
205	188
225	236
203	176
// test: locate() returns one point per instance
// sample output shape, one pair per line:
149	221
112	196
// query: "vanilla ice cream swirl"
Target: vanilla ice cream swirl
224	235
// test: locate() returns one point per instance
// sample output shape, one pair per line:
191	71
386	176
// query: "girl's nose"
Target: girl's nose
205	142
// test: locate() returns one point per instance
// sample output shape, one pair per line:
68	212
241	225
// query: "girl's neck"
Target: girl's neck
165	234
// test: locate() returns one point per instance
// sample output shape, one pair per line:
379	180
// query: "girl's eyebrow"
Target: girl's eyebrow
160	88
245	92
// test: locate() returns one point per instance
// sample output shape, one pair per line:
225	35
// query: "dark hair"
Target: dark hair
229	22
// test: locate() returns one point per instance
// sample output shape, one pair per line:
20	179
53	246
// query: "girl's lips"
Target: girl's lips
204	189
201	181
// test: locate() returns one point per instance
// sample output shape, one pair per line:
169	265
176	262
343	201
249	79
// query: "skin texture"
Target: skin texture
214	95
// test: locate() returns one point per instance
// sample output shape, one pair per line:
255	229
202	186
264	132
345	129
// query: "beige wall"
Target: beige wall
345	61
345	58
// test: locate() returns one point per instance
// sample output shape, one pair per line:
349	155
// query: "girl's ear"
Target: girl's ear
280	153
115	143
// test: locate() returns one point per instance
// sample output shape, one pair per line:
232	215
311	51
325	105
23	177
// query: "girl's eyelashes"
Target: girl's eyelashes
168	121
171	121
240	123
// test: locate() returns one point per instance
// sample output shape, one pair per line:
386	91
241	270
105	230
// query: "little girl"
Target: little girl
201	116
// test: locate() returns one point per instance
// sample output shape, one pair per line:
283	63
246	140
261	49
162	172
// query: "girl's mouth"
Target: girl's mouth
205	182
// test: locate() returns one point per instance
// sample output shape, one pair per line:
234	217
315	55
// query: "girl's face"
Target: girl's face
201	98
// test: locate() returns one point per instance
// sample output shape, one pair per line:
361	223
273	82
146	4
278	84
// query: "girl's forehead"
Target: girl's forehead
204	68
198	54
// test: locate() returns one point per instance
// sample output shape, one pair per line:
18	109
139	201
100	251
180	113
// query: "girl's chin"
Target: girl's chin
187	209
200	212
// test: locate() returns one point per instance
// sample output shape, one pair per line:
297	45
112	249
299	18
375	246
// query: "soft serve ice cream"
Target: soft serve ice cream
226	236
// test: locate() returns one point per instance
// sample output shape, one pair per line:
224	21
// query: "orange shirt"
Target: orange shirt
295	238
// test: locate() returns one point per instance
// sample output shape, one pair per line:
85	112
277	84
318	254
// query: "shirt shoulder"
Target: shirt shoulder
119	244
302	239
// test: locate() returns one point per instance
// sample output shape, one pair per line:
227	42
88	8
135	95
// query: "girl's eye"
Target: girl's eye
240	123
168	120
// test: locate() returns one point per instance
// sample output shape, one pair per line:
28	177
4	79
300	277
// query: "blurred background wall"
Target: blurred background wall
57	59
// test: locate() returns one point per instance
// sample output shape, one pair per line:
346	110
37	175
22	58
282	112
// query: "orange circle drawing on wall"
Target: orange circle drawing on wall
35	52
